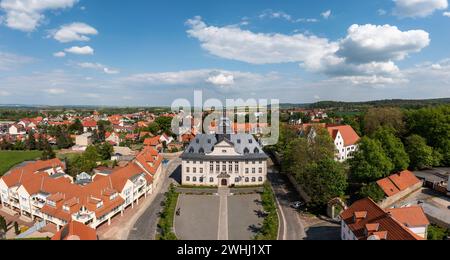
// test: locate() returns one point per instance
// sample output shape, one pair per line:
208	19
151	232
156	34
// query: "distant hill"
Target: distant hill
403	103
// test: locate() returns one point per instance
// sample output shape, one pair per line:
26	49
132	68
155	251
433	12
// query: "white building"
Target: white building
346	141
42	192
224	160
84	140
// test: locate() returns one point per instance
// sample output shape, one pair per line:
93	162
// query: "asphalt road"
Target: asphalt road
291	227
146	226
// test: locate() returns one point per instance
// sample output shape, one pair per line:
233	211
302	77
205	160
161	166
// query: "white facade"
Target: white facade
344	152
213	172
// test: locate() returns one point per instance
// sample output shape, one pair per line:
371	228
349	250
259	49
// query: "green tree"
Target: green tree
76	127
376	118
370	163
372	191
323	181
3	224
393	148
48	153
92	154
105	151
31	141
154	128
16	228
420	153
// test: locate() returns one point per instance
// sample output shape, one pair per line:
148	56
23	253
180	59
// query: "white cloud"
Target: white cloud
73	32
4	93
446	14
55	91
366	43
27	15
59	54
285	16
418	8
381	12
221	79
9	61
367	50
86	50
326	14
99	67
200	78
259	48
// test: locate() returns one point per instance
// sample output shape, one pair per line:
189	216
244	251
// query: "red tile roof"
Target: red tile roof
410	217
388	227
76	231
89	123
348	134
398	182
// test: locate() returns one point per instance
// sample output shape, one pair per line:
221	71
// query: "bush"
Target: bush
167	216
437	233
269	230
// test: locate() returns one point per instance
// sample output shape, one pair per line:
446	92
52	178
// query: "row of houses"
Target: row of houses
42	191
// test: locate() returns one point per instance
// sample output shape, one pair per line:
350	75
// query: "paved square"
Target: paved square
243	216
199	218
201	215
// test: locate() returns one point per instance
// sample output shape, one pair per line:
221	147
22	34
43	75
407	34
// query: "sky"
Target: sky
150	53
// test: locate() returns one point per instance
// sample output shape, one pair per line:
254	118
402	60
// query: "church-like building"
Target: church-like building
224	159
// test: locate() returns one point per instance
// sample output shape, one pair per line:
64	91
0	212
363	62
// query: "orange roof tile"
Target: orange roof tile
398	182
76	231
390	228
410	217
348	134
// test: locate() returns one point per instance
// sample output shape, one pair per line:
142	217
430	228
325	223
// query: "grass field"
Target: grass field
9	159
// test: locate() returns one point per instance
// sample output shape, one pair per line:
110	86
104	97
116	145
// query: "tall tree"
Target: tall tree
372	191
323	181
376	118
393	148
422	155
76	127
370	163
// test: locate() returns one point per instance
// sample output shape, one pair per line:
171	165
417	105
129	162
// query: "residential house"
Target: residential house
84	140
398	186
89	126
113	138
346	141
365	220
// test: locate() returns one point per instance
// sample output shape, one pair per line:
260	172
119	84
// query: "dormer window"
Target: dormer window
197	141
201	150
250	141
246	151
239	141
191	150
256	151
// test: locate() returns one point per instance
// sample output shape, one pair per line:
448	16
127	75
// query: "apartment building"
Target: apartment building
42	191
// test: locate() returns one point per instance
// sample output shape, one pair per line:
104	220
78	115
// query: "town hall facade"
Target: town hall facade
224	160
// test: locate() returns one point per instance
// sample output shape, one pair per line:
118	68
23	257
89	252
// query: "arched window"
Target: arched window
237	180
194	179
188	178
202	151
247	180
260	179
256	150
253	179
191	150
246	151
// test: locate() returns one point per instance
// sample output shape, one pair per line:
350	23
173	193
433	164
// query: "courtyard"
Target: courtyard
223	216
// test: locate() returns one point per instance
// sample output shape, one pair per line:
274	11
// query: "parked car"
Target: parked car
297	205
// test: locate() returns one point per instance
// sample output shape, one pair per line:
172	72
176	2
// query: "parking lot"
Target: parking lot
200	217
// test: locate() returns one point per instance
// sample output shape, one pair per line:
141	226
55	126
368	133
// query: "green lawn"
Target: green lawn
9	159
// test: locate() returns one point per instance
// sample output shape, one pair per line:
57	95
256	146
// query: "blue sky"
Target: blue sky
79	52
